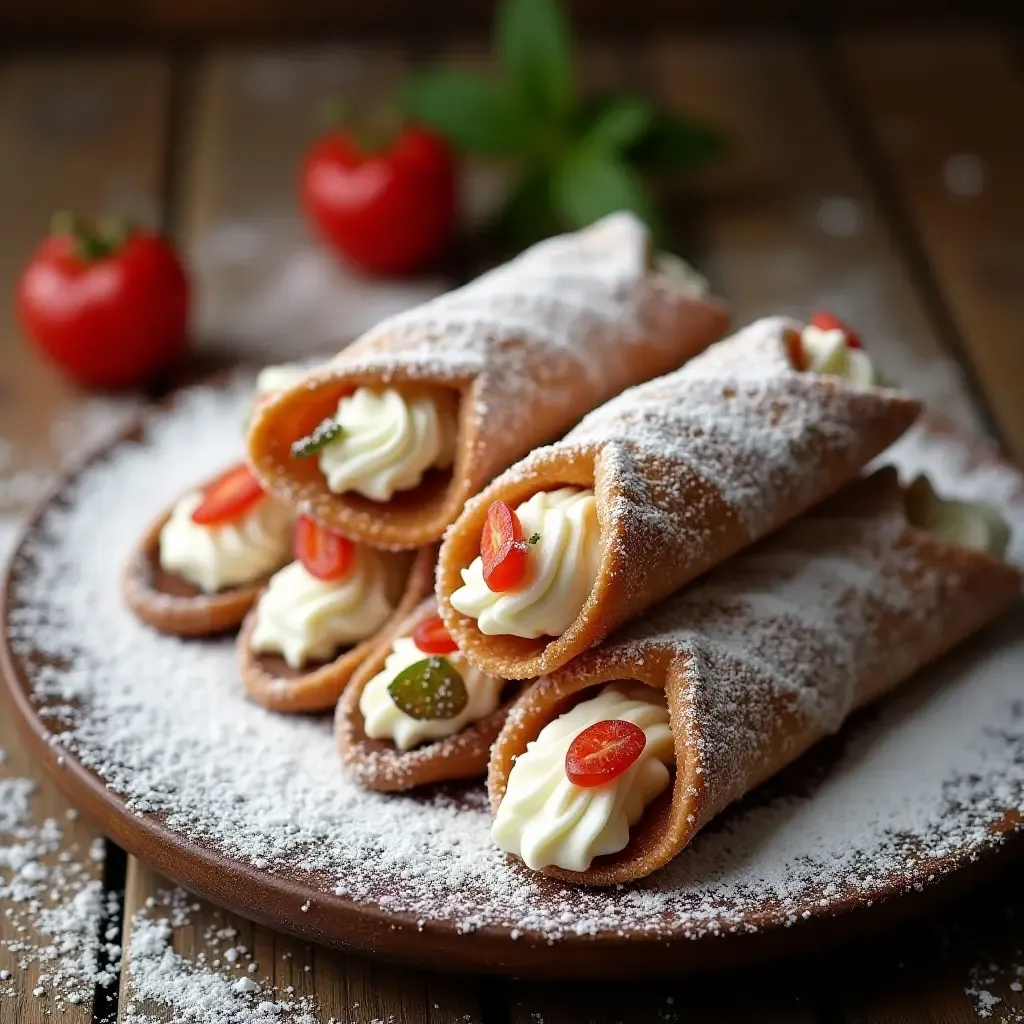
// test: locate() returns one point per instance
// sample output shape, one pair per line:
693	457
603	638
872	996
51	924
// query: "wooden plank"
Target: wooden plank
83	133
789	219
944	110
962	966
271	19
237	965
776	996
57	881
265	289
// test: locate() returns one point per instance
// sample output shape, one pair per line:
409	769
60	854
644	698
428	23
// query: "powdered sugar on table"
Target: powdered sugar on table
166	725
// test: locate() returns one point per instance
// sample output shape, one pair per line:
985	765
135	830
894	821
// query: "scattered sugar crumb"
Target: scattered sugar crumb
190	990
56	908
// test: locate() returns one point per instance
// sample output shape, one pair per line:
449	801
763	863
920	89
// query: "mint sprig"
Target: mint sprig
577	159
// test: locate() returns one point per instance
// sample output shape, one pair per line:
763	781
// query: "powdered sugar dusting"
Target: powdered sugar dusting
833	609
195	989
570	311
57	922
741	418
165	724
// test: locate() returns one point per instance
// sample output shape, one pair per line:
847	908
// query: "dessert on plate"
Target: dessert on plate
319	617
416	711
656	487
199	566
386	442
607	768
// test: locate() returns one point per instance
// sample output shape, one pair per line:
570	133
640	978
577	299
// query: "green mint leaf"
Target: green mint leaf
536	57
429	689
591	184
527	215
618	123
324	433
534	539
473	113
673	143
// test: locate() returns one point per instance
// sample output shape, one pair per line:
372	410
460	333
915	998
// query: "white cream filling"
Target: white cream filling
389	440
305	619
384	720
687	280
549	821
827	353
216	557
281	377
967	524
561	568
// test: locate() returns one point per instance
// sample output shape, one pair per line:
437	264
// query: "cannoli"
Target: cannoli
199	566
321	615
605	770
386	442
654	488
417	712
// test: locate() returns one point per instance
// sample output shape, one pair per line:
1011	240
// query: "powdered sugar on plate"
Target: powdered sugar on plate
55	908
906	793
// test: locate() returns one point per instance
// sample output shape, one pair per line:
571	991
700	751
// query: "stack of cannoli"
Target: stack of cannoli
667	599
323	542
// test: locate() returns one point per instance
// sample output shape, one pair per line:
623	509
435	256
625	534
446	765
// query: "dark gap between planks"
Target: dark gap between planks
105	1001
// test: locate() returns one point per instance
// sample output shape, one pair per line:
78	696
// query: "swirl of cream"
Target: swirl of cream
389	440
560	571
826	352
682	276
383	720
228	554
549	821
280	377
305	619
967	524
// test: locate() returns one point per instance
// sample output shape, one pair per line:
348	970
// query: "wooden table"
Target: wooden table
878	175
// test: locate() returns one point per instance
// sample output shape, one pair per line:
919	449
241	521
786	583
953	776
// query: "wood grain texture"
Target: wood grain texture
788	219
781	996
328	985
83	133
945	111
264	288
77	836
958	968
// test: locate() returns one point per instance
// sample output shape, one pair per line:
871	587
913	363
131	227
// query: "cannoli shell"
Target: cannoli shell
270	681
770	653
529	348
686	471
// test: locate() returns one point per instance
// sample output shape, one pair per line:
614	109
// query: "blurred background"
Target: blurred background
861	155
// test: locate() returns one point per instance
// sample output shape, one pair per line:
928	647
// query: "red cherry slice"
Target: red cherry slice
826	321
325	554
228	498
502	549
431	637
603	751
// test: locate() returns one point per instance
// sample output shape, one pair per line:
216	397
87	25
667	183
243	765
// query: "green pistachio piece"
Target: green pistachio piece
324	433
429	689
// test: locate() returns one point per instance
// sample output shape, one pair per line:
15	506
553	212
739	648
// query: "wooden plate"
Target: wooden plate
152	737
